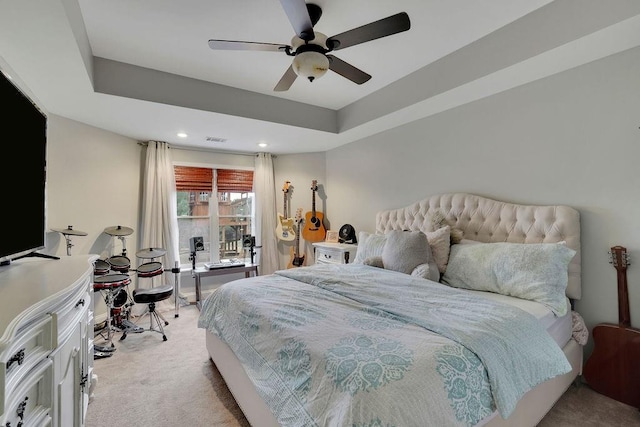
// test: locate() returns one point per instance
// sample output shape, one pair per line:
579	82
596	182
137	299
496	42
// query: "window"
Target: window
217	205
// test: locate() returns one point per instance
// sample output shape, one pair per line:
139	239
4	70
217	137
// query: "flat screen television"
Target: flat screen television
23	134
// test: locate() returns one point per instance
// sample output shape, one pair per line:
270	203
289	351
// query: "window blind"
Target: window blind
200	179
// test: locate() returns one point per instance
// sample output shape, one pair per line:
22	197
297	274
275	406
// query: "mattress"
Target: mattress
560	328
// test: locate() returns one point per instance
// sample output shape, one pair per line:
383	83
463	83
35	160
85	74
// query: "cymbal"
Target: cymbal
69	231
150	253
118	230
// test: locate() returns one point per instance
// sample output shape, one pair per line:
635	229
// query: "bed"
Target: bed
386	341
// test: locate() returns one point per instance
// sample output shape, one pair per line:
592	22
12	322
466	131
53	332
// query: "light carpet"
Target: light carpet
156	383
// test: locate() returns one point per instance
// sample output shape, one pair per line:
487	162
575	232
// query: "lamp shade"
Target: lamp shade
310	65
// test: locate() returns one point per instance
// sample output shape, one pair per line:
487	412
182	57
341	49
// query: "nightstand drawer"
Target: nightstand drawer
334	253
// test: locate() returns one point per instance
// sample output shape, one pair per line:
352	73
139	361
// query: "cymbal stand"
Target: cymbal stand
69	244
123	239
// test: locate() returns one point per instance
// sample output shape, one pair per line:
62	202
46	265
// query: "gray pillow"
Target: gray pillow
405	250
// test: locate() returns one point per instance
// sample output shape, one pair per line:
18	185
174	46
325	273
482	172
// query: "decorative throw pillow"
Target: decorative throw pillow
369	245
440	243
405	250
438	220
531	271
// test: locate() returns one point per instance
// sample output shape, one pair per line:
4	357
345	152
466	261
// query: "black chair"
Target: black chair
151	297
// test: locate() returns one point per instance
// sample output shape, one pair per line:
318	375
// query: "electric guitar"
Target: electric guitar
614	366
297	259
314	230
285	229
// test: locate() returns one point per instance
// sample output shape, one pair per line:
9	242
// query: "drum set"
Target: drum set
111	279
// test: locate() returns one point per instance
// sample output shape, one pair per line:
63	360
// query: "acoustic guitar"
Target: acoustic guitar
297	259
614	366
314	230
285	229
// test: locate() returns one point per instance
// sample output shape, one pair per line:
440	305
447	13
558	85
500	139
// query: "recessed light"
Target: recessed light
262	144
182	135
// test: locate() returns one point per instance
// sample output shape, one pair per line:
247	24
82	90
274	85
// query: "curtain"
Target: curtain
159	217
264	189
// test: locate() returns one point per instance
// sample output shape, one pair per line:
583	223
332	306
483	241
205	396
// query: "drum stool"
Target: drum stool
151	297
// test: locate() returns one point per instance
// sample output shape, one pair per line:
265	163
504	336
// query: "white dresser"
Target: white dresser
334	253
46	341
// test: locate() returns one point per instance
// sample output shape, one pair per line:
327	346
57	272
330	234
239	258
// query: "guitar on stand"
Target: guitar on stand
314	230
297	259
285	230
614	366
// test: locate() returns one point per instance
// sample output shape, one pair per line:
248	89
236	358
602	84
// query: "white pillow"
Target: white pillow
440	242
531	271
369	245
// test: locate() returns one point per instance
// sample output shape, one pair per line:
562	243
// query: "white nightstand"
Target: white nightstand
334	253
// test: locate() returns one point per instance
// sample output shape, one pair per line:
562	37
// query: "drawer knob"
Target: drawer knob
81	302
18	357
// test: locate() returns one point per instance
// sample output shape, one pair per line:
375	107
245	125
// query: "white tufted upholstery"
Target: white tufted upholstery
488	220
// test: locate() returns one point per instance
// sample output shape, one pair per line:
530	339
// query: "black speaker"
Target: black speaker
196	244
248	241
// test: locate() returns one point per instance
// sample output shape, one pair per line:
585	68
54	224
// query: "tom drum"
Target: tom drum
110	281
150	269
119	263
101	267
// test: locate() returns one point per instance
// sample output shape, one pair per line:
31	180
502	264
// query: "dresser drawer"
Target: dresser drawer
31	402
31	347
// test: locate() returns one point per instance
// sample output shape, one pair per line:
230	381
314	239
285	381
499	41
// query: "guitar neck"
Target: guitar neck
624	317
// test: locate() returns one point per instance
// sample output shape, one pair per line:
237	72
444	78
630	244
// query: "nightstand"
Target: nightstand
334	253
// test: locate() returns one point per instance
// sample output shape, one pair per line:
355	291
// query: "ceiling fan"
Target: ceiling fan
311	49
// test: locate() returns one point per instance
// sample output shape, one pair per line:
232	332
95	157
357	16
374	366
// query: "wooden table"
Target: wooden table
201	272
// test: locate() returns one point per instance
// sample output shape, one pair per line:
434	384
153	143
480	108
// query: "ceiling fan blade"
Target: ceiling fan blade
286	80
347	70
240	45
384	27
299	17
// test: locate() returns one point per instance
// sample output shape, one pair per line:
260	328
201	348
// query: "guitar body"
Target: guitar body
285	230
613	369
296	260
314	229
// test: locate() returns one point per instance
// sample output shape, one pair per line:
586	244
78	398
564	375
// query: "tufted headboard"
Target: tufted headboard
487	220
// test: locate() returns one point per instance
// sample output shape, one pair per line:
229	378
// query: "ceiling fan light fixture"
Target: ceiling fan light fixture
310	65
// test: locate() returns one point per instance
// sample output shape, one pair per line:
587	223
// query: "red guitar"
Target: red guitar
314	229
297	259
614	366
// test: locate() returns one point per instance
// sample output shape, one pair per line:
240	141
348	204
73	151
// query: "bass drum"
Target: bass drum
116	311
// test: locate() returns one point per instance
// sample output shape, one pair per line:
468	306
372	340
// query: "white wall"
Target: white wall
93	182
570	139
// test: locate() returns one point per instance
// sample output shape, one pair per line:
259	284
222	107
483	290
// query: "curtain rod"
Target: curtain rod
206	150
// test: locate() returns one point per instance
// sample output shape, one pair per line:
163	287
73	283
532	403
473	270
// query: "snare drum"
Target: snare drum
101	267
110	281
150	269
119	263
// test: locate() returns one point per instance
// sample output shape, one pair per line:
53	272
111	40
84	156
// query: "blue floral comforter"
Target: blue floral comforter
354	345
